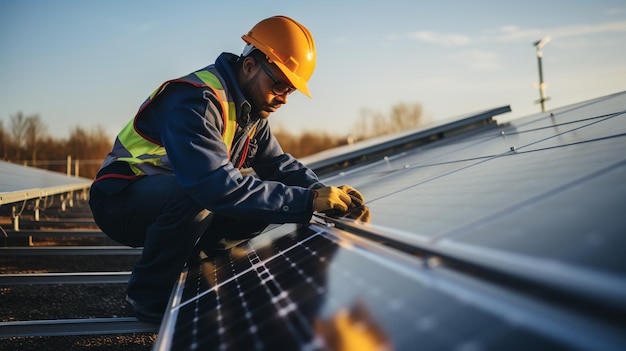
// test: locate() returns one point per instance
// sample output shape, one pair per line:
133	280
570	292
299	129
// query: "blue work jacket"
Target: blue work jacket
187	121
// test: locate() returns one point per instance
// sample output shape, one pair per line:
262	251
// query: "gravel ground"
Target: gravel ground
69	301
57	301
75	263
34	302
130	342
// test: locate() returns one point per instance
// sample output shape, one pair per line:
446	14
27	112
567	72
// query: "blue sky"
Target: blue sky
88	63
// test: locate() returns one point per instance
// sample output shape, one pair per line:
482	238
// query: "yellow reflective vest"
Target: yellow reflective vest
146	156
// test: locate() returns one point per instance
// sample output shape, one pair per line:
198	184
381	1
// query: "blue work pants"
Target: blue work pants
153	212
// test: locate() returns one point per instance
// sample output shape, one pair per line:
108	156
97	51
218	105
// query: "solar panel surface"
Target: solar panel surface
19	183
514	233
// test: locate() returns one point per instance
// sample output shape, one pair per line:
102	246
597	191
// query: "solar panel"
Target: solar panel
19	183
500	237
312	290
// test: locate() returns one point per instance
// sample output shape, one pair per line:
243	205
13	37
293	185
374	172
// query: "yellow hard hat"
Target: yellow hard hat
287	44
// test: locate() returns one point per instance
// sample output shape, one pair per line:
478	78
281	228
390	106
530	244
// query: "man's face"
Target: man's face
266	89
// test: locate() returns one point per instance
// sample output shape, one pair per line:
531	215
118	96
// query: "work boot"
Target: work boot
145	313
224	233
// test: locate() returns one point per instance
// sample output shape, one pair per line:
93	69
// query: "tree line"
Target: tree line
24	139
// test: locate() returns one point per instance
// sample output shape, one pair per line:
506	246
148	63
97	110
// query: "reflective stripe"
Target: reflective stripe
230	122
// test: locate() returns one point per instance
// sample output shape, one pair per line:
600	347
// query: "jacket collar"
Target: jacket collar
224	66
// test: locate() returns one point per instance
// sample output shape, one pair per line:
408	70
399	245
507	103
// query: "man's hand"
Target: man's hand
331	198
361	214
356	197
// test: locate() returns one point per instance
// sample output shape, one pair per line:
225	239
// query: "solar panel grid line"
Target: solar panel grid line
448	182
248	315
217	283
306	329
573	130
413	185
455	160
557	112
561	124
516	150
475	135
604	138
279	299
253	266
531	200
220	318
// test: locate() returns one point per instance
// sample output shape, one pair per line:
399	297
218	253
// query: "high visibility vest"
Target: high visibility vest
145	155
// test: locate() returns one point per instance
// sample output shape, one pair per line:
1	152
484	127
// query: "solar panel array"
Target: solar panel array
500	237
18	183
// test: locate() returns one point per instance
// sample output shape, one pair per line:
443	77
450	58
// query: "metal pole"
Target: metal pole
542	93
69	165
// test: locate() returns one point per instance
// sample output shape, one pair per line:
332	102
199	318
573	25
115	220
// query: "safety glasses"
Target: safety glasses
279	88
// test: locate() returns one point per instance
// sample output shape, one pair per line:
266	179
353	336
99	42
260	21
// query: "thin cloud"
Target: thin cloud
580	30
480	60
511	33
440	38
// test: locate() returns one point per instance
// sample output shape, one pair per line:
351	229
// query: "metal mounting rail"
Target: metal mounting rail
65	222
82	326
88	233
65	278
69	250
599	295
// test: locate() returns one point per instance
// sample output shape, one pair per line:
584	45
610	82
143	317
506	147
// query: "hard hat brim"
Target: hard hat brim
296	81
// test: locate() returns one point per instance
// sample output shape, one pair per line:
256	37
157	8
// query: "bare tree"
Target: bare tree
89	146
372	123
4	141
34	134
405	116
18	126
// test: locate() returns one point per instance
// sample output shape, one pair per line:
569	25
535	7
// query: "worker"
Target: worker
175	168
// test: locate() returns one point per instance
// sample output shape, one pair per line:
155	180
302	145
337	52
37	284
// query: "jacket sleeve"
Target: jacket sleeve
192	137
272	163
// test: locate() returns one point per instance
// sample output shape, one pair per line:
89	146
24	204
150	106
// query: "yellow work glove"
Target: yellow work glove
356	197
361	214
331	198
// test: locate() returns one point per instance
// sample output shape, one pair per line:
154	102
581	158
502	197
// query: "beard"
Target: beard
257	104
257	114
